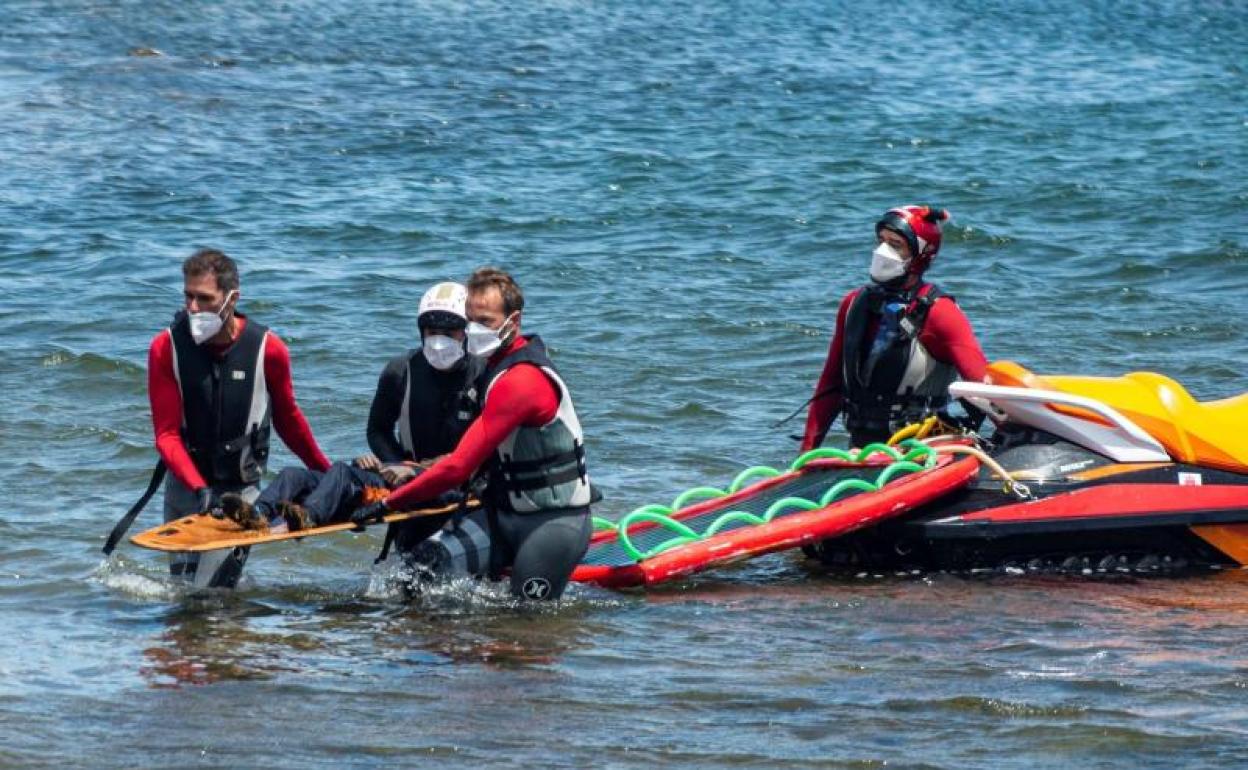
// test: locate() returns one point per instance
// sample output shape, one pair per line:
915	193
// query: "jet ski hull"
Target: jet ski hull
1086	513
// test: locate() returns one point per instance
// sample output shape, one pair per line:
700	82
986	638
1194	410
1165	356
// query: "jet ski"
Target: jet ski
1082	475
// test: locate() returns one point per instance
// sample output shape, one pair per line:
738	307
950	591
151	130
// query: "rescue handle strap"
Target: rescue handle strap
119	531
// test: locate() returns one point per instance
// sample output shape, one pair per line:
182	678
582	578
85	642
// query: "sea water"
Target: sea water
685	191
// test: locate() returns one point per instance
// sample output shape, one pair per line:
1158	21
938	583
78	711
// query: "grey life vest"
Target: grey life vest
226	414
539	468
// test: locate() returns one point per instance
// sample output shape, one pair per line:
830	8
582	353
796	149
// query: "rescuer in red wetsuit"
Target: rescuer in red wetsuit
899	341
217	381
528	442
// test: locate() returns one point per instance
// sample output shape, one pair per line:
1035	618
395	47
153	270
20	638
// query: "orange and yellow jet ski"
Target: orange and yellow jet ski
1105	474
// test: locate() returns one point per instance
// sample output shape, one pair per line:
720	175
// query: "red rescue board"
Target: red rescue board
608	565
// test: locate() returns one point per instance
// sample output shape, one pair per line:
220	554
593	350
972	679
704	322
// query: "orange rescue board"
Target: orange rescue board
204	532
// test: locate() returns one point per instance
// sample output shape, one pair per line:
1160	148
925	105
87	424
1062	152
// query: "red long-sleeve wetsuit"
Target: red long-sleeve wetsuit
166	401
947	336
522	396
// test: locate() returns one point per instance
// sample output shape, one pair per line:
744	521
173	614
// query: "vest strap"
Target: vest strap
385	544
544	479
239	443
576	455
916	317
525	475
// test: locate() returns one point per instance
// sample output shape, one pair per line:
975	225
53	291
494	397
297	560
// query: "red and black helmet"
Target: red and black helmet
920	226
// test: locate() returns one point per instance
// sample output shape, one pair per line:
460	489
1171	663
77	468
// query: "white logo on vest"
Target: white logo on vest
536	588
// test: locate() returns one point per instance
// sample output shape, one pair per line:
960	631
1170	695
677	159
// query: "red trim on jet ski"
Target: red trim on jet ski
1111	500
953	529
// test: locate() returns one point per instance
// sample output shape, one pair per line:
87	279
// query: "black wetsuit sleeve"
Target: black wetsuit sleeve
384	414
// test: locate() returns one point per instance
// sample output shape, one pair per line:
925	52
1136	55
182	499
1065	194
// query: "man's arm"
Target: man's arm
948	336
829	395
291	425
385	411
522	396
166	403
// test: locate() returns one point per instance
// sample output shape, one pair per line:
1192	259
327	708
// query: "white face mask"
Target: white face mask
886	264
484	341
204	326
443	352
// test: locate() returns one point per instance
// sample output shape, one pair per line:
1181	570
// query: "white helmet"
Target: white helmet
444	306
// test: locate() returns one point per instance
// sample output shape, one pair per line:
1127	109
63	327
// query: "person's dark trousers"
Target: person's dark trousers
291	484
327	497
338	493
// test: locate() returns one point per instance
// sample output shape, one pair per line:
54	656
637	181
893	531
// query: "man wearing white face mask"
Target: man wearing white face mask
899	341
218	382
429	395
528	442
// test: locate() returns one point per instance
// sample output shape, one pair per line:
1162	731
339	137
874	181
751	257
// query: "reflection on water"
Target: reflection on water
256	635
769	661
203	645
503	641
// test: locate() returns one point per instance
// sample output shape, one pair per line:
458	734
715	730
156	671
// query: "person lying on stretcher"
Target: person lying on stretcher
300	498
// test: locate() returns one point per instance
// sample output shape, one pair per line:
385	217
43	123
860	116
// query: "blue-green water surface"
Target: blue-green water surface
684	190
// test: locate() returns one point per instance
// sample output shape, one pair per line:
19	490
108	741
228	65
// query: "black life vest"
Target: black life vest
539	468
891	379
437	406
226	416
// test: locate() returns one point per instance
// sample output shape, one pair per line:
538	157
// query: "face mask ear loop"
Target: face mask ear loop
226	303
506	339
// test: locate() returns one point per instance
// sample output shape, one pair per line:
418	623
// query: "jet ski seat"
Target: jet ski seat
1208	433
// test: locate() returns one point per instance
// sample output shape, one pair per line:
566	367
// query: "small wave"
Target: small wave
1225	254
120	575
696	409
354	232
1204	333
967	704
1046	674
970	234
89	363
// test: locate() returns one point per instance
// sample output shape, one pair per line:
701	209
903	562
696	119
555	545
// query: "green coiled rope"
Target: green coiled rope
662	515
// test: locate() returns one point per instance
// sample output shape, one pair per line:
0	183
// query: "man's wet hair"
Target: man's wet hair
211	261
485	277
